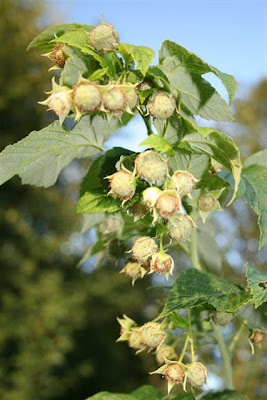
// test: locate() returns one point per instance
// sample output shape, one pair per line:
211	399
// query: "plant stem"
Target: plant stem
236	338
184	348
228	370
147	121
191	337
194	251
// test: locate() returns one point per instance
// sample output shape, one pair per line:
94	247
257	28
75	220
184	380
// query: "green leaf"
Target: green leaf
179	321
39	158
197	66
94	188
146	392
225	395
89	221
182	396
43	40
196	164
158	143
259	158
207	246
76	65
221	147
175	128
194	288
196	94
257	284
143	56
98	74
111	396
255	194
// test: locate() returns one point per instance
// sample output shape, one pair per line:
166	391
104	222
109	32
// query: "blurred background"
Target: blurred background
58	322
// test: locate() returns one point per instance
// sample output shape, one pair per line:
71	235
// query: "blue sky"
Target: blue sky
231	35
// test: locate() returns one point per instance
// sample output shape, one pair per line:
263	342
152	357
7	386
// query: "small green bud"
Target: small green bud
134	270
122	184
144	248
113	99
184	182
111	225
126	325
167	352
222	318
103	38
197	374
151	166
181	227
206	202
161	105
86	96
152	335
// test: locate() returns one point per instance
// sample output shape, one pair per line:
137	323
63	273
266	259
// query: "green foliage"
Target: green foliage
194	288
158	143
143	56
44	40
39	158
257	284
195	65
225	395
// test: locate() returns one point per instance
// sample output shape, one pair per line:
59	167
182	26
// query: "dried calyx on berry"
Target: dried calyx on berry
126	325
143	249
257	337
161	105
164	352
168	203
151	166
222	318
173	371
152	334
86	97
103	38
111	225
134	270
162	263
122	184
58	55
59	101
183	182
181	227
196	374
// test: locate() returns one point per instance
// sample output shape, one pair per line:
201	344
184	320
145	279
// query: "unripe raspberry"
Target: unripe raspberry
111	225
165	352
162	263
126	325
168	204
152	335
181	227
173	371
103	38
113	99
86	97
151	195
140	210
206	202
144	86
134	270
184	182
135	340
161	105
122	184
257	337
197	374
144	248
151	166
58	55
222	318
59	100
131	98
